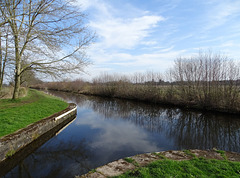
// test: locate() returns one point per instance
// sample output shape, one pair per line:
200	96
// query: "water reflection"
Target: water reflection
187	129
56	158
109	129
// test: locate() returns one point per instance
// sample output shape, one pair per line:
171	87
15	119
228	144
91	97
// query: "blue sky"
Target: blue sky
148	35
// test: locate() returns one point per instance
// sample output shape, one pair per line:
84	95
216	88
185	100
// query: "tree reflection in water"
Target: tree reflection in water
109	129
56	159
188	129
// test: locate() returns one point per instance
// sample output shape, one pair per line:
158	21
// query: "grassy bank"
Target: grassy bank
170	94
189	168
224	98
17	114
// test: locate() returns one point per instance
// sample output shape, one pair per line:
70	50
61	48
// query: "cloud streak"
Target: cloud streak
222	13
125	33
150	35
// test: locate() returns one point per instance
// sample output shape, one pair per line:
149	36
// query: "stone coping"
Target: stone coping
12	143
71	106
121	166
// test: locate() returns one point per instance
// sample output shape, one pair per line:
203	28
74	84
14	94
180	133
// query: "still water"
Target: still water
109	129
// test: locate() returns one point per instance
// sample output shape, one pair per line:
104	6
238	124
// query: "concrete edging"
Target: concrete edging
121	166
12	143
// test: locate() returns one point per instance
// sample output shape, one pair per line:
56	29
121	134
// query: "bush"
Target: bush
6	92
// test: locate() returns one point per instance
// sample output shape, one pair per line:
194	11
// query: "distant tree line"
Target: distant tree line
207	81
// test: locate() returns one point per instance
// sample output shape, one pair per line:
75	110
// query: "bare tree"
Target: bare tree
5	54
51	32
207	78
2	62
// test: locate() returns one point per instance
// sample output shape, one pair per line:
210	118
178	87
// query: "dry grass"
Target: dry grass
7	92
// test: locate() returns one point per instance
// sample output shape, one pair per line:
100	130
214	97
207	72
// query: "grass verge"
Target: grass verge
17	114
189	168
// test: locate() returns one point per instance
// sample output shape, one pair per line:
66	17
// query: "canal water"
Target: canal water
109	129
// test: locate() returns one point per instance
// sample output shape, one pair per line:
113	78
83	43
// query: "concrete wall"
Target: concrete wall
10	144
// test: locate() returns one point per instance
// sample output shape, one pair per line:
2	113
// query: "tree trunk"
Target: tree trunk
16	87
17	69
1	60
17	80
1	80
1	83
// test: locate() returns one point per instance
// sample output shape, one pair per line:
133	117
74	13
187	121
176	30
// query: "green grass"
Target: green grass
17	114
130	160
188	168
188	152
222	153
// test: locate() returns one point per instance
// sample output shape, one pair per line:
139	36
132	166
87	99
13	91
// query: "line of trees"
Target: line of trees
207	80
41	36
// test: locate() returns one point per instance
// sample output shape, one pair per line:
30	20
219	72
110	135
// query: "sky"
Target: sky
148	35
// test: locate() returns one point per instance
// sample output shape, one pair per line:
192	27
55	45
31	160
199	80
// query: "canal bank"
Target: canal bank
14	143
122	166
168	102
108	129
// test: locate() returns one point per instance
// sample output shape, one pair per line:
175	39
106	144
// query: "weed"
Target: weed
159	155
35	136
93	170
188	152
10	153
131	160
222	153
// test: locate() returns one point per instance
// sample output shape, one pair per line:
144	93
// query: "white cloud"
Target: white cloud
85	4
117	32
112	26
134	39
125	133
124	33
222	12
159	60
95	4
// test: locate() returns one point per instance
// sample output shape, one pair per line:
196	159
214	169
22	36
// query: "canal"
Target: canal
109	129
